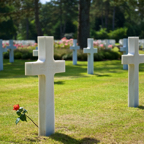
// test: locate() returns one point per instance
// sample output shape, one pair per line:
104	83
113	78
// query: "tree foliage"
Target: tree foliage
26	19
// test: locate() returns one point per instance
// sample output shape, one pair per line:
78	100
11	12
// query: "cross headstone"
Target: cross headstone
106	43
45	67
124	49
90	51
11	53
1	54
133	59
35	52
74	48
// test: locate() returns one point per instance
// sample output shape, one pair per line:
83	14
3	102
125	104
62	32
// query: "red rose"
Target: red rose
16	107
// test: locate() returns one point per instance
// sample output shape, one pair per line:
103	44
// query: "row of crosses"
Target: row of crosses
45	67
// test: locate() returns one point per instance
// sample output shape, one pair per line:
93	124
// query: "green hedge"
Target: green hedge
117	34
26	54
100	56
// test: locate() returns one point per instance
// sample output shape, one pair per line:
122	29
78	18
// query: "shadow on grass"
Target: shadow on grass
103	75
65	139
17	69
141	107
59	82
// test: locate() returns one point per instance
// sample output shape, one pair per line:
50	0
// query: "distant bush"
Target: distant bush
102	34
118	34
100	56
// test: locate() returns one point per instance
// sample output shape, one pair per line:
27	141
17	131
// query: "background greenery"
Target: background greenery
66	54
108	19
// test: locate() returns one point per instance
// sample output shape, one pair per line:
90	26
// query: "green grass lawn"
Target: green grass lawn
88	108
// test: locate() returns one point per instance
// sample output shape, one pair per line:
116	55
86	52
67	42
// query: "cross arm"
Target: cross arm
122	48
4	49
75	47
85	50
128	59
9	47
34	68
59	66
95	50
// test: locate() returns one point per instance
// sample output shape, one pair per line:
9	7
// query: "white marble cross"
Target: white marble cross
45	67
11	53
74	48
124	49
35	52
133	59
90	50
1	54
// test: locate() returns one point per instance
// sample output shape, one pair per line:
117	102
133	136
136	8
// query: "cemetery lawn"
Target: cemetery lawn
88	108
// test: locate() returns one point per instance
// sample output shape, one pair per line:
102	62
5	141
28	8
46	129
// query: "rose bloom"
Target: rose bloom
16	107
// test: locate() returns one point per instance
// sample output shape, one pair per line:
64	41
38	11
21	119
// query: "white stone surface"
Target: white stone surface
45	67
1	55
124	49
108	42
74	48
133	59
23	42
11	53
35	52
121	41
90	51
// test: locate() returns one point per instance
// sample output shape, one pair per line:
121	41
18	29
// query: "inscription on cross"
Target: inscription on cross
1	54
133	59
124	49
74	48
90	51
11	53
45	67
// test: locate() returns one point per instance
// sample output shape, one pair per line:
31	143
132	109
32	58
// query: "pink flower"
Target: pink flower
101	45
64	38
110	46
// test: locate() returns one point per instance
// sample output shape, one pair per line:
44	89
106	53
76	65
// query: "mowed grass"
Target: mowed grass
88	108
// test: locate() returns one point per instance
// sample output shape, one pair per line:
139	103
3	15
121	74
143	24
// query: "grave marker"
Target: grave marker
45	67
35	52
74	48
11	53
124	49
1	54
90	51
133	59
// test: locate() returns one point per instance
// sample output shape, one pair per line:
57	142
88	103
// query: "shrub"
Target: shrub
65	54
102	34
118	34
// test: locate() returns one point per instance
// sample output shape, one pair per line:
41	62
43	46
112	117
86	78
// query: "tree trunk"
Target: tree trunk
102	19
37	23
27	28
106	13
113	23
84	26
62	26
